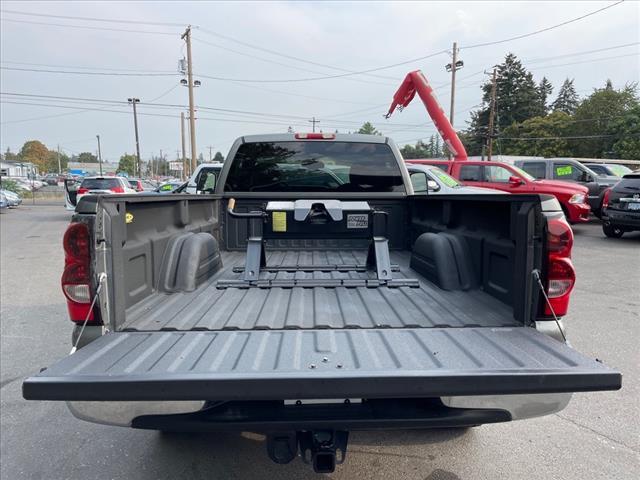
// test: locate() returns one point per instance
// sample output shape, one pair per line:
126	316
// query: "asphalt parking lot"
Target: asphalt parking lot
596	437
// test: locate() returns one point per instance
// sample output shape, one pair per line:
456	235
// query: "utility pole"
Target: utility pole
186	36
453	67
313	121
133	102
99	154
492	114
185	170
59	164
210	147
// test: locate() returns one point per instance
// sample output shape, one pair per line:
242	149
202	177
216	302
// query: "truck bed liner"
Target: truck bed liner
211	308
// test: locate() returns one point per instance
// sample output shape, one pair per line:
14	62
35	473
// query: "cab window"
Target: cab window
471	173
535	169
566	171
419	182
496	174
206	182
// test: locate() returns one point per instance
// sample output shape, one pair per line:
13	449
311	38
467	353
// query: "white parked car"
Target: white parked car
96	186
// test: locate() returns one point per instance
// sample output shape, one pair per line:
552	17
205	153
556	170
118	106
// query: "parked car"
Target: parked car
377	308
509	178
52	179
621	207
4	203
94	186
205	178
570	170
13	198
169	187
608	169
136	184
433	181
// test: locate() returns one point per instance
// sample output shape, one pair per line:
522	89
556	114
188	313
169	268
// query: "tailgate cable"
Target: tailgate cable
536	274
101	279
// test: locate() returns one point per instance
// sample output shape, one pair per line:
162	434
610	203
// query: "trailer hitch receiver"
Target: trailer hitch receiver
324	449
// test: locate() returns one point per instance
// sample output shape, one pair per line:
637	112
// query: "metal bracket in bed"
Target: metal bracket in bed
320	217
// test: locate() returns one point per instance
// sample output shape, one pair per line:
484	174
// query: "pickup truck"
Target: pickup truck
510	178
303	303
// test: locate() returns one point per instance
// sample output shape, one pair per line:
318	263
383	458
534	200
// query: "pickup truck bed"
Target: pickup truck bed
211	308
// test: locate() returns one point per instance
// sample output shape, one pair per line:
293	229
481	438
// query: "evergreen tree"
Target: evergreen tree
567	100
368	128
545	89
218	157
517	99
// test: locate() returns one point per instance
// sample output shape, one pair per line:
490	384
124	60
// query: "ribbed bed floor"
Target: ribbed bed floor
210	308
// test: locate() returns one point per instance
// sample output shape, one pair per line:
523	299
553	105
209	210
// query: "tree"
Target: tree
52	161
200	159
34	151
369	129
87	157
545	89
556	124
596	117
218	157
9	156
627	145
127	164
517	99
567	100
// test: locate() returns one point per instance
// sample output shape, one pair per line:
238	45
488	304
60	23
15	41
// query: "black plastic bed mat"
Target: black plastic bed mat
298	364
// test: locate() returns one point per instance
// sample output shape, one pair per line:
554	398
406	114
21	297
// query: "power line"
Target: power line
92	19
145	74
552	27
544	59
86	27
576	137
291	57
262	59
84	67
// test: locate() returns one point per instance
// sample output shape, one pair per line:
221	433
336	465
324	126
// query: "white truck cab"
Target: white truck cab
204	178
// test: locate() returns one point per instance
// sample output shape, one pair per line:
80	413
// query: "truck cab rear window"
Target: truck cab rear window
314	167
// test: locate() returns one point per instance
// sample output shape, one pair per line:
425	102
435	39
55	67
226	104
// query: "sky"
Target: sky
263	66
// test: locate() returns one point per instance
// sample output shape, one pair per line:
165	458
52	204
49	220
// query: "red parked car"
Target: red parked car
509	178
135	184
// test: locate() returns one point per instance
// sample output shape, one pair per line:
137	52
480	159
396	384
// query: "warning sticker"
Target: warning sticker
358	221
128	217
279	222
564	170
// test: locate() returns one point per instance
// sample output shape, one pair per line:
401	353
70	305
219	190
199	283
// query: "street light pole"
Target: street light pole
133	102
99	154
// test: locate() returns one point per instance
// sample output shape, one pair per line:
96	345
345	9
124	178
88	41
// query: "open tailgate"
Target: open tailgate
294	364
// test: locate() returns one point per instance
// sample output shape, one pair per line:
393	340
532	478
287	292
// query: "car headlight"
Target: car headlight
577	198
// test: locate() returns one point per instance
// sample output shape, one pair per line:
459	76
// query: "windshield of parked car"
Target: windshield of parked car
314	166
619	170
445	178
100	183
523	174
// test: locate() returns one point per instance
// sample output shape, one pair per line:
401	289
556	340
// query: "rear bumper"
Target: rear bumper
368	415
578	212
622	219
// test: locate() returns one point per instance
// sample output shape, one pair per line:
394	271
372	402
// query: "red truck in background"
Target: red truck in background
509	178
501	176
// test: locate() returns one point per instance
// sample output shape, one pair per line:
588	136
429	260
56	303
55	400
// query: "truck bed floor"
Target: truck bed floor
211	308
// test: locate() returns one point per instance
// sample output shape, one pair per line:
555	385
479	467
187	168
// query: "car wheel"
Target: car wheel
611	231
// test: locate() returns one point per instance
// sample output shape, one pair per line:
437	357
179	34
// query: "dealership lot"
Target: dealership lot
597	436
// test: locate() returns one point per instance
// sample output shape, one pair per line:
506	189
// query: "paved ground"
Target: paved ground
596	437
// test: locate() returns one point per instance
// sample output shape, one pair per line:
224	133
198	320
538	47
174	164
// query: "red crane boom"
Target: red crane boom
417	82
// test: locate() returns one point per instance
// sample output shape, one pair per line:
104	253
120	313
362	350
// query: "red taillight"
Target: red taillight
561	278
76	277
82	191
315	136
117	189
559	238
605	198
